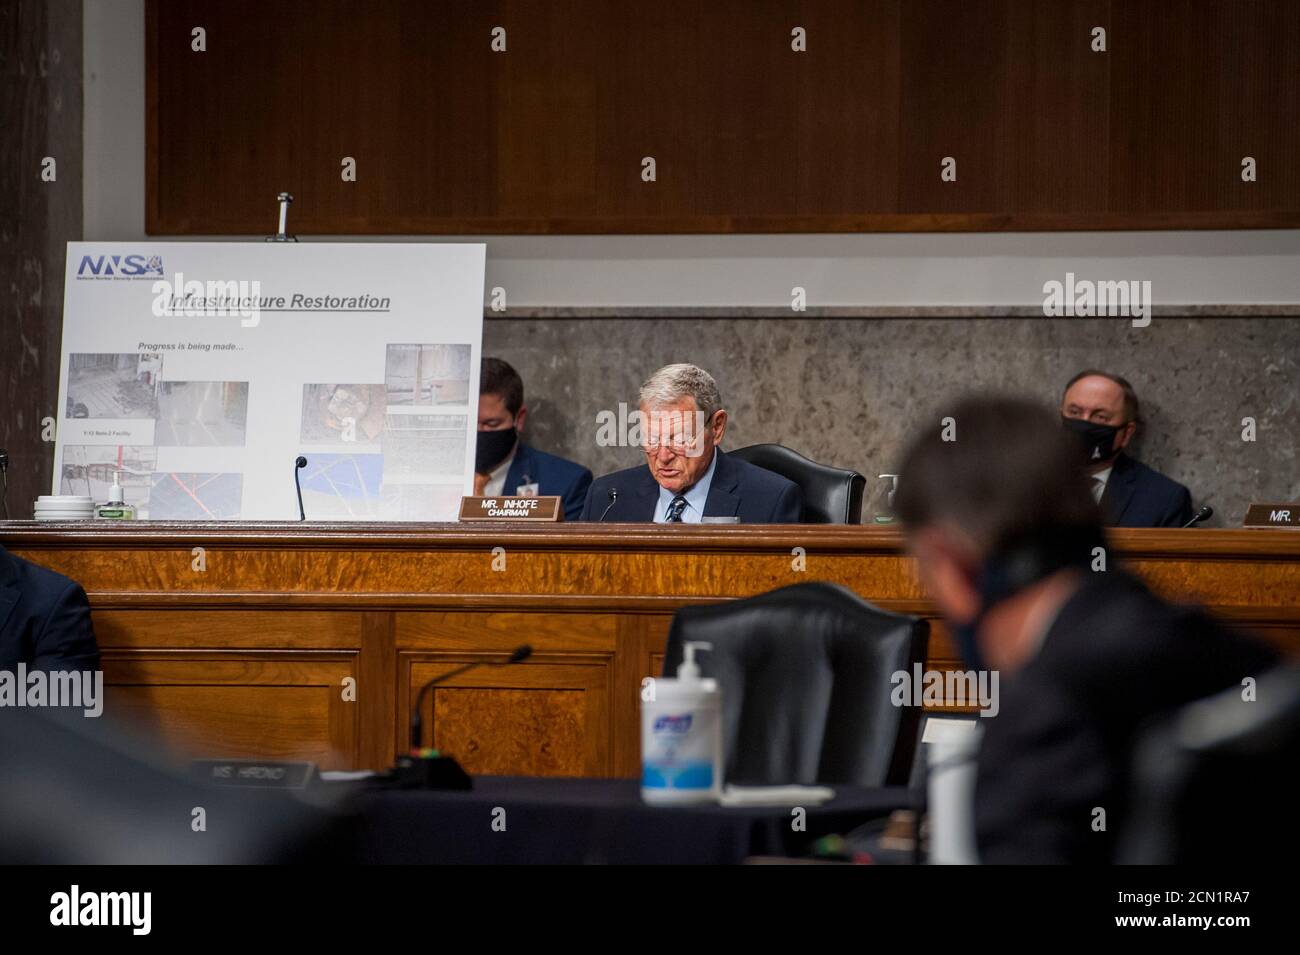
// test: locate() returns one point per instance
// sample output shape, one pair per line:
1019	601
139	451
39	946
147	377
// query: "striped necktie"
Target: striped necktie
675	508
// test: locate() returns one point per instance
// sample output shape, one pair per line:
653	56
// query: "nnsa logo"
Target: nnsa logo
125	266
103	908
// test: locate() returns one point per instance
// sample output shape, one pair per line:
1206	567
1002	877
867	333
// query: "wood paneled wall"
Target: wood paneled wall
249	656
40	123
548	136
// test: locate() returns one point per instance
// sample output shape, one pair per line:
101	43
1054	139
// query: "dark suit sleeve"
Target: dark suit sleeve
1041	776
585	515
789	506
67	639
1180	510
575	498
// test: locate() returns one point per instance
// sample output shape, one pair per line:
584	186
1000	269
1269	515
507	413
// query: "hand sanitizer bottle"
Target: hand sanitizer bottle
681	736
115	508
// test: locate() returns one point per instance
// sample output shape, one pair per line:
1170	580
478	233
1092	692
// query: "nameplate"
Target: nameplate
255	774
511	509
1272	515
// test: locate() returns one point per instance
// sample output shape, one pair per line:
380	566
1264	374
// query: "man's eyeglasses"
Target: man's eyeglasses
676	441
679	444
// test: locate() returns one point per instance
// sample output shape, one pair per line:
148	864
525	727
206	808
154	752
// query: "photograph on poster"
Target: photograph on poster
342	486
120	385
333	413
202	413
89	468
185	496
410	502
424	447
422	376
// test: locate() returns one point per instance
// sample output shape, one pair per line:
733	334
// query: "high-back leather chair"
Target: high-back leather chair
805	675
830	495
1206	786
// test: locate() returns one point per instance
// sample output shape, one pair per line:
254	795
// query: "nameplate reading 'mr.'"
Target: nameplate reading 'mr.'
1272	515
545	508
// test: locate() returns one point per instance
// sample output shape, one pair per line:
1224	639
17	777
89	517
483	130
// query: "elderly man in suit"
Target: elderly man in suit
1102	409
687	478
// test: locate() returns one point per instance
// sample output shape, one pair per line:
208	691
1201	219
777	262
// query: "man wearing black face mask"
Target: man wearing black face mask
503	463
1102	410
1005	535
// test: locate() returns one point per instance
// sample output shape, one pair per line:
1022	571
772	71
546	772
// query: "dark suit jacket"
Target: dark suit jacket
1138	496
44	619
1061	745
552	475
738	489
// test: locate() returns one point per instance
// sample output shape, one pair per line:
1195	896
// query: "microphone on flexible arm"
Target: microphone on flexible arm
421	770
1204	514
613	497
298	466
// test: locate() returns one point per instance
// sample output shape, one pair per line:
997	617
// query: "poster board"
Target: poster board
200	371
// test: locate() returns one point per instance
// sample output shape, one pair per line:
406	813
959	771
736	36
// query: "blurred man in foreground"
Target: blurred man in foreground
1008	542
1102	410
687	478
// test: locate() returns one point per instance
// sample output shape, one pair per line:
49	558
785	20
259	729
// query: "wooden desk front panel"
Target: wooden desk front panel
236	683
311	642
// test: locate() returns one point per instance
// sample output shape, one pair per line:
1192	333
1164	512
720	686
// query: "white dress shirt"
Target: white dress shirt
695	498
1099	483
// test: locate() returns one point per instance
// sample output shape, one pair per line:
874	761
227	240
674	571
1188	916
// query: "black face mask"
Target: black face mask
492	448
1006	574
1096	440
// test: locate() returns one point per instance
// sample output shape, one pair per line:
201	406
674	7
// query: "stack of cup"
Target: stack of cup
64	507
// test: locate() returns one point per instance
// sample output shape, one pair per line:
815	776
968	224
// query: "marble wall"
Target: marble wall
40	116
848	391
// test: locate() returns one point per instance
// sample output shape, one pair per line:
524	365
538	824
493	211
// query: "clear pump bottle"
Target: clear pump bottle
115	508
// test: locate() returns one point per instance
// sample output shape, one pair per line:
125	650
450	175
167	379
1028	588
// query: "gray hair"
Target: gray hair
673	382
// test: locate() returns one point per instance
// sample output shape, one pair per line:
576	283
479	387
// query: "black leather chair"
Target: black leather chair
1208	781
805	675
830	495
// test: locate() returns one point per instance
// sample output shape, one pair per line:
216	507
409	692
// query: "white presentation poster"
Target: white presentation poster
198	372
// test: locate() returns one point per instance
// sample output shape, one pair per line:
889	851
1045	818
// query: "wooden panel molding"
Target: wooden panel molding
747	134
248	658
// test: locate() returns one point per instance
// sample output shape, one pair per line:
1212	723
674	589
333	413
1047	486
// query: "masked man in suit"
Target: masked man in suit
504	464
1102	410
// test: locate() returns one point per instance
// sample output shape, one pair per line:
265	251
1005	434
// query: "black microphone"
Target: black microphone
4	482
613	496
518	655
1204	514
417	770
298	466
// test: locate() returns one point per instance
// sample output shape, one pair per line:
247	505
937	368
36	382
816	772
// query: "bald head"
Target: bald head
1101	397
